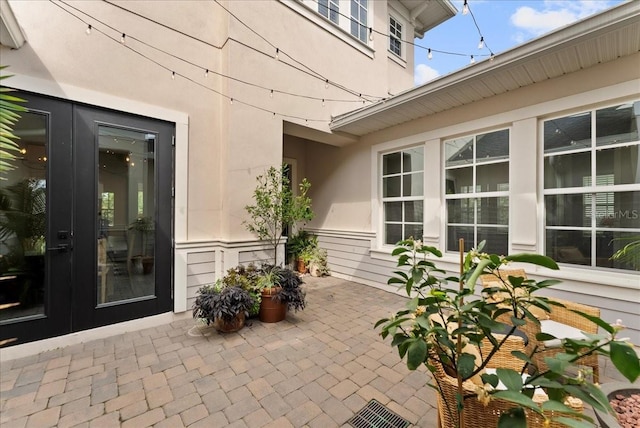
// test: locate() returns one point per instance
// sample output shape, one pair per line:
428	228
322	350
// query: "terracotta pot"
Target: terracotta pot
230	326
301	266
270	310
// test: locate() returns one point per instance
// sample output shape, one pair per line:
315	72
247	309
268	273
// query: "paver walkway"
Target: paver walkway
316	369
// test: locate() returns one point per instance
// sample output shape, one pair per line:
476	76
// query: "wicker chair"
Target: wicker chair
476	414
562	315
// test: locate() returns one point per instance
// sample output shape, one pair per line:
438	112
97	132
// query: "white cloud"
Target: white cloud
553	14
423	73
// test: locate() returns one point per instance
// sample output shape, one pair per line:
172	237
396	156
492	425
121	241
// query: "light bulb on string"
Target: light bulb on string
323	102
231	101
481	44
326	84
173	75
271	94
123	38
277	57
206	72
473	60
274	115
371	34
492	57
465	8
88	30
429	54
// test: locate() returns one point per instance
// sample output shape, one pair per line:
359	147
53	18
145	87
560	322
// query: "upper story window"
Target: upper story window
477	191
403	194
395	36
359	27
330	9
592	185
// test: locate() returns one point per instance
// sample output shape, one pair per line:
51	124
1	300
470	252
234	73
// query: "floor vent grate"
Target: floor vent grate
375	415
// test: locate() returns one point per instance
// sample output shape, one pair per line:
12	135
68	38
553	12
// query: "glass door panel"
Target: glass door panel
126	215
23	219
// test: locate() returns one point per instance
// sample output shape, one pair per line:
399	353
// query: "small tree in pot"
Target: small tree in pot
276	206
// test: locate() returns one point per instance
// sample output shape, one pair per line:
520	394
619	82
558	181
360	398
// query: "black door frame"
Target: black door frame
71	272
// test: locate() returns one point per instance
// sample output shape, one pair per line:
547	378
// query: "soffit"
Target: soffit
426	15
612	34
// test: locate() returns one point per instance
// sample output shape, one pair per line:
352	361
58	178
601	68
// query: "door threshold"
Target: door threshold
44	345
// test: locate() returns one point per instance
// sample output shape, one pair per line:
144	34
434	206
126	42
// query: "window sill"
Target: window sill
395	58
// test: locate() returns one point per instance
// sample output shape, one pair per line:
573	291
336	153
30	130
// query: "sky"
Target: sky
504	24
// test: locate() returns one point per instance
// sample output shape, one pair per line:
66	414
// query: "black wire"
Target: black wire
205	69
183	76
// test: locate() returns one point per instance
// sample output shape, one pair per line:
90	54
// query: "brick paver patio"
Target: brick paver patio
315	369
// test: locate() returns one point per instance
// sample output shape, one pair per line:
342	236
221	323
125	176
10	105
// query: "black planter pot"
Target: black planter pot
610	390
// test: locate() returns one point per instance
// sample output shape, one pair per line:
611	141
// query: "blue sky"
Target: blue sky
503	23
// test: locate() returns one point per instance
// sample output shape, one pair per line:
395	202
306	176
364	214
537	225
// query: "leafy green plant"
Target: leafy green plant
318	262
630	253
445	315
275	206
23	215
9	116
298	243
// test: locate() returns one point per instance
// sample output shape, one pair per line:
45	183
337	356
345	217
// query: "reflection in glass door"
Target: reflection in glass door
126	215
23	215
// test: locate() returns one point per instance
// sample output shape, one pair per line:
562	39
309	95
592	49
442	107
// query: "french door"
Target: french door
85	221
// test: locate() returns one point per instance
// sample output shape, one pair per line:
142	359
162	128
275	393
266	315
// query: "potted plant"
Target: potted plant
451	330
290	294
275	206
245	278
298	248
318	262
225	307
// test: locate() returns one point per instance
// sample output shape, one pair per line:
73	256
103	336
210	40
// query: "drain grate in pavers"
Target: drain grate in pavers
375	415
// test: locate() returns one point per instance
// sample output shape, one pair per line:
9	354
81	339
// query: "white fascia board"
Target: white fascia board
606	21
11	34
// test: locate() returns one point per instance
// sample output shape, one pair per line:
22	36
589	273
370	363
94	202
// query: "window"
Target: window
395	36
107	209
359	27
477	191
592	185
329	9
402	194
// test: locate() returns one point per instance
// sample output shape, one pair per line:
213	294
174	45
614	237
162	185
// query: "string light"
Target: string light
88	31
206	72
277	54
473	60
429	54
491	58
271	94
326	84
465	8
323	103
481	44
231	101
371	34
173	75
122	38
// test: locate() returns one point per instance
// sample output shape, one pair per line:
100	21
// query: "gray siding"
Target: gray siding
201	270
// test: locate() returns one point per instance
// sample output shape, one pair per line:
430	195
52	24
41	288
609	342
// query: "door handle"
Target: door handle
62	248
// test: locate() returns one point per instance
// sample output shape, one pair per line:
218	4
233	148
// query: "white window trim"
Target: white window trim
583	189
475	194
403	45
309	10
